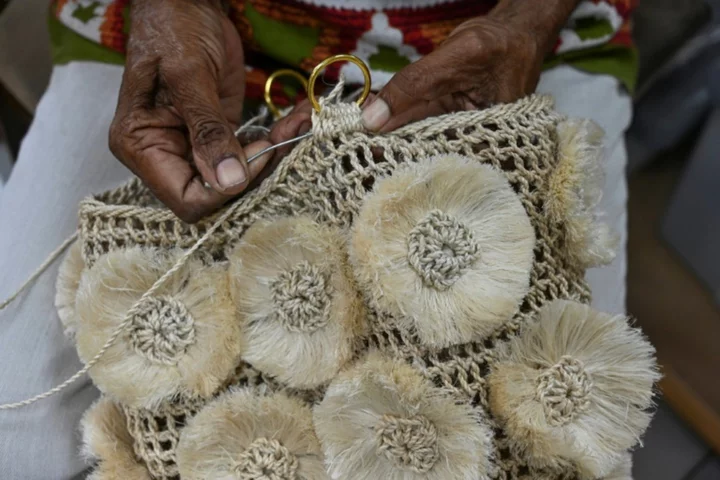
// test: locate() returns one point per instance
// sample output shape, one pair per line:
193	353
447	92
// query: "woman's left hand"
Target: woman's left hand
491	59
484	61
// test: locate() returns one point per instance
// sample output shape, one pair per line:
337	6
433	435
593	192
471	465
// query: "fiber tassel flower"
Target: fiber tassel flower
108	444
66	287
297	304
446	246
383	420
183	340
623	471
245	434
574	388
574	192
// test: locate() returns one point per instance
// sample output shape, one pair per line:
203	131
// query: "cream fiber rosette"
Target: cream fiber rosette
403	306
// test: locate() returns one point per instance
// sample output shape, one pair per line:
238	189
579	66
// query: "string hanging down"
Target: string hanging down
251	125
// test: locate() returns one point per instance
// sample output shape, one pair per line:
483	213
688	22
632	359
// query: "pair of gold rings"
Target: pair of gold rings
309	84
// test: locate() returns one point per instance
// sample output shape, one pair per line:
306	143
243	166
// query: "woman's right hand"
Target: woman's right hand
180	101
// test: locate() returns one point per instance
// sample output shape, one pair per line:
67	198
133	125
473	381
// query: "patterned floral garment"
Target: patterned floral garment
386	34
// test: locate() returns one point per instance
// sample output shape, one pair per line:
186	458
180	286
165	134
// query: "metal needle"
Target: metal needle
278	145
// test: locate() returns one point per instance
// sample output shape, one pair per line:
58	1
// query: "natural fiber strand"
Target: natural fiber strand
54	255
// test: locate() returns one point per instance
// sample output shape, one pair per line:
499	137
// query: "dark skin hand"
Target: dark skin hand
183	88
180	101
487	60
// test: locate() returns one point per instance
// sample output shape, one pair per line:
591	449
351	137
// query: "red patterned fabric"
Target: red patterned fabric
379	31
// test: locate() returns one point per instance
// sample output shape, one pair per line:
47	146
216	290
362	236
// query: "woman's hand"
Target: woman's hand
492	59
180	101
486	60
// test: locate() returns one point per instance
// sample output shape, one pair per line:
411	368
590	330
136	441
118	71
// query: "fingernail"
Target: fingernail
256	147
304	128
376	115
230	172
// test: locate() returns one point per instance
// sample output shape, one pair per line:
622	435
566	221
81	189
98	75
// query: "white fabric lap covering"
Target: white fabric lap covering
65	158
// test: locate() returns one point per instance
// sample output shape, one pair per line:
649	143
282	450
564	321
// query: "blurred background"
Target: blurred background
674	208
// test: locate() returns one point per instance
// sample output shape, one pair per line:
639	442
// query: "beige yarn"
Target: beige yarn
162	330
327	178
408	442
266	458
564	390
426	241
304	281
156	433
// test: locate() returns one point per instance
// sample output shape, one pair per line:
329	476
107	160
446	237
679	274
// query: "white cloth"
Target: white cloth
64	158
602	99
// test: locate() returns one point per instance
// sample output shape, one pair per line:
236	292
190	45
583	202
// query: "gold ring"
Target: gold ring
339	58
285	72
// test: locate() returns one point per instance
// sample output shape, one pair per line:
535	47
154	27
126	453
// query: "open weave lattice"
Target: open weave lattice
327	177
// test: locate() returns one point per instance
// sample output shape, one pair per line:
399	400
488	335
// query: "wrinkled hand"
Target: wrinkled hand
484	61
492	59
180	101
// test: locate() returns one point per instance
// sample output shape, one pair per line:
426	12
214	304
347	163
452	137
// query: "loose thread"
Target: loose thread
332	97
40	270
128	316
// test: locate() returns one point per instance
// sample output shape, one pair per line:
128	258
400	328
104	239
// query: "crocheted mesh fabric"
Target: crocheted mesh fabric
327	177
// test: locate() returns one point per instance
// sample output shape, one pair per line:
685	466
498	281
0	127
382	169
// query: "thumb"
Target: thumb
415	92
217	154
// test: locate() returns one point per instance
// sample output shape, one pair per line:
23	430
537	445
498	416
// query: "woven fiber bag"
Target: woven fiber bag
402	306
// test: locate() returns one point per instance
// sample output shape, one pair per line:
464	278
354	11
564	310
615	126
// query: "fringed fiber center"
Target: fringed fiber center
302	296
266	459
441	249
162	329
564	391
410	443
